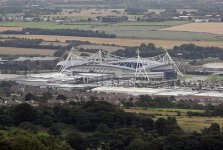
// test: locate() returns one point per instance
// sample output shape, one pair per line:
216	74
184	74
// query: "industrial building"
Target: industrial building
37	62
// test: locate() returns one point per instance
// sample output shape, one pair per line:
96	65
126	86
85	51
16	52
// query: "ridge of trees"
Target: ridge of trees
187	51
62	32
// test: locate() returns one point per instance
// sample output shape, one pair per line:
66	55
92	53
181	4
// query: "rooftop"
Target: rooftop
35	58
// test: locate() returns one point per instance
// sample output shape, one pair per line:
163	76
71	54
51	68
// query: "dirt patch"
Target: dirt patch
3	28
25	51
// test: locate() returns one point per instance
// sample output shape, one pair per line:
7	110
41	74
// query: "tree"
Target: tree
54	130
47	121
30	96
47	95
174	142
61	97
5	120
213	129
76	141
103	128
172	129
137	144
160	125
138	19
28	127
58	53
26	142
24	113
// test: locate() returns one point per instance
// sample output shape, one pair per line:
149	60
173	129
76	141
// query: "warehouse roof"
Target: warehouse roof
35	58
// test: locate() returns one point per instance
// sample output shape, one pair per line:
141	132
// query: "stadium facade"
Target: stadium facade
109	66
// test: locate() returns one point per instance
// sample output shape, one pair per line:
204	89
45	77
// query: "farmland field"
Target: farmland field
117	41
5	28
214	28
128	33
25	51
188	124
46	25
133	30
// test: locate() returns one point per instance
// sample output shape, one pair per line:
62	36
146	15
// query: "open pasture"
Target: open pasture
188	124
213	28
43	25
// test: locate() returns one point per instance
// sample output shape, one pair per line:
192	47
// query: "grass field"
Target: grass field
214	28
188	124
25	51
132	30
47	25
117	41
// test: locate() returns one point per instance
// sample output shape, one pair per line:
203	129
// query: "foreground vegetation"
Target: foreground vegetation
97	125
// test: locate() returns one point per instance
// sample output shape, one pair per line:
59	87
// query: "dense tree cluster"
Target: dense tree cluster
23	140
186	51
88	50
6	86
136	11
145	101
28	43
191	51
145	51
210	111
64	32
97	125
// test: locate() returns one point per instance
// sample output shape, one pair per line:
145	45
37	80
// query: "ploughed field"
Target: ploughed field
25	51
5	28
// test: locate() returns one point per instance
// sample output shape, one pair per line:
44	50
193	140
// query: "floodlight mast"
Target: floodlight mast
140	67
168	59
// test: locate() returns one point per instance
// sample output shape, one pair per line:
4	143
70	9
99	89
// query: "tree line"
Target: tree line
62	32
28	43
186	51
163	102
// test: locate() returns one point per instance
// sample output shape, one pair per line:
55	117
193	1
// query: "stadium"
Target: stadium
105	66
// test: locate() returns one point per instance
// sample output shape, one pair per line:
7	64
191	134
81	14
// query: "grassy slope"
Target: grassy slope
188	124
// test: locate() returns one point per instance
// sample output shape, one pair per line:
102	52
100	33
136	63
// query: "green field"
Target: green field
48	25
187	124
215	78
135	30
